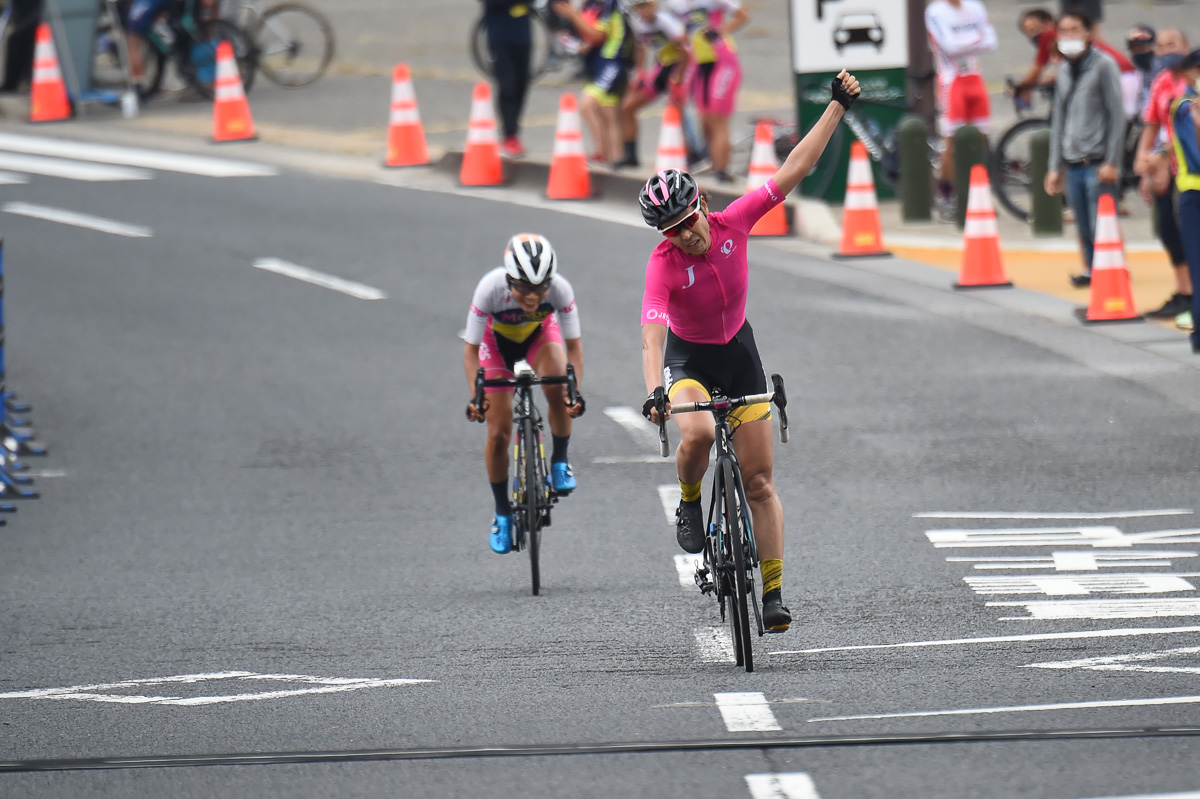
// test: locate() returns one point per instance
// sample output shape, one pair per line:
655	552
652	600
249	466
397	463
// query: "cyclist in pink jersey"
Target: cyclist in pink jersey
696	340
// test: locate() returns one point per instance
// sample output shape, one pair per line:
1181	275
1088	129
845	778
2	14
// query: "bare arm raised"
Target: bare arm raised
805	154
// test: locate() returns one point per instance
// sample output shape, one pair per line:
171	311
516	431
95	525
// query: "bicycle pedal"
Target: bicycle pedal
701	577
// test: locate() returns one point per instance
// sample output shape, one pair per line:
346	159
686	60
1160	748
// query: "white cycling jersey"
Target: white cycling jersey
958	34
493	300
661	35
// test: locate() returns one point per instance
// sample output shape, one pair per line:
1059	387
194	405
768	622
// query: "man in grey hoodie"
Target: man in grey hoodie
1087	132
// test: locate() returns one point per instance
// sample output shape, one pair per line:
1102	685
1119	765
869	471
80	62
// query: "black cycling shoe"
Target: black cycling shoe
776	618
1082	280
689	526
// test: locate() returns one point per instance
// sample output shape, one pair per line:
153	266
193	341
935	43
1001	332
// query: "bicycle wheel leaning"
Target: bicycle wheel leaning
198	66
734	544
295	44
532	510
1009	167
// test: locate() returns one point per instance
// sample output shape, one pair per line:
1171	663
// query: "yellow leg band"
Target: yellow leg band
772	574
691	493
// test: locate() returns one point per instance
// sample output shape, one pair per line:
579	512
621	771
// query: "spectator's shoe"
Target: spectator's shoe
502	539
689	526
512	147
1068	216
1081	281
1196	343
1184	321
627	163
562	478
1177	304
776	617
723	177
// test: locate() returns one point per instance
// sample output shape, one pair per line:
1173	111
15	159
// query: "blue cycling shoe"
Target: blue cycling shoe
502	540
562	478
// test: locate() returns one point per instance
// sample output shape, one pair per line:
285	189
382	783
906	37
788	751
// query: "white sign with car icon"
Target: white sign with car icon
856	34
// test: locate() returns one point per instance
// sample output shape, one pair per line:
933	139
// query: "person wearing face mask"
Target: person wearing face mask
1155	162
1087	130
1184	127
1140	44
1039	26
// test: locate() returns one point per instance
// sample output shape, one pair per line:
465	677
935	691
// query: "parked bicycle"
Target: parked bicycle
730	554
554	46
532	494
294	42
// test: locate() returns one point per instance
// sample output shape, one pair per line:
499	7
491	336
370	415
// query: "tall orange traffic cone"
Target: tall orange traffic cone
1112	296
862	234
981	264
406	136
763	166
231	111
481	159
569	178
48	98
671	151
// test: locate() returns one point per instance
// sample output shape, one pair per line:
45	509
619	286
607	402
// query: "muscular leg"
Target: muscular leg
753	445
696	436
716	131
499	425
551	361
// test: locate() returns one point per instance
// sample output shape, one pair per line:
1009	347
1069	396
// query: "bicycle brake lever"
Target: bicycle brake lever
660	405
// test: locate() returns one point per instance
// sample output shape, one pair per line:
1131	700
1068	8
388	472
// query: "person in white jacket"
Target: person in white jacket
958	31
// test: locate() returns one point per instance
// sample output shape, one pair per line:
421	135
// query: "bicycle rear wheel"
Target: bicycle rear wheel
1010	167
735	538
199	64
534	489
295	44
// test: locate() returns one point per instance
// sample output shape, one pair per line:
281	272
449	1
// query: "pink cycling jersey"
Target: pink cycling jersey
702	298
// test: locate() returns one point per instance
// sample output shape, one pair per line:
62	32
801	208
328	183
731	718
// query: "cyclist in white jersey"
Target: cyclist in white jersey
660	32
958	31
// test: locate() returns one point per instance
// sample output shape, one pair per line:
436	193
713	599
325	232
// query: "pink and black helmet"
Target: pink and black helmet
666	195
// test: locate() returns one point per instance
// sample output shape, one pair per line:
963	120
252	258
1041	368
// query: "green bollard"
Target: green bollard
916	178
1046	211
969	149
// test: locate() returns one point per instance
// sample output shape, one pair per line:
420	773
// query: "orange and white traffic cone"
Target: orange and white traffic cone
231	110
862	234
763	166
981	265
481	158
569	178
672	153
48	100
406	136
1112	296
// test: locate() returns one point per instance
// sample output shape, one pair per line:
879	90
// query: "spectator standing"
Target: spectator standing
510	42
1141	43
1185	134
1087	130
605	30
1155	163
18	57
959	30
662	33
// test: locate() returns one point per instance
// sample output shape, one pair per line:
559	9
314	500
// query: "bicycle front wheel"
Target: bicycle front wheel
534	489
295	44
735	538
1010	167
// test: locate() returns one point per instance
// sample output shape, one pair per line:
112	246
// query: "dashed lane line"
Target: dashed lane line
795	785
71	170
746	711
1126	514
297	272
1002	639
74	219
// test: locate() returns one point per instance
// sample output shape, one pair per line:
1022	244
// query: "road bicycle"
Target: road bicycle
1009	165
532	493
177	37
554	45
730	554
294	42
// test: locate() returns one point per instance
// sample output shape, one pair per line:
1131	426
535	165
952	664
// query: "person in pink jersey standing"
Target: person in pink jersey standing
695	337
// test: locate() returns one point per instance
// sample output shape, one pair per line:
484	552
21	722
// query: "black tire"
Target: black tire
481	55
200	73
534	489
1009	168
107	72
735	536
295	44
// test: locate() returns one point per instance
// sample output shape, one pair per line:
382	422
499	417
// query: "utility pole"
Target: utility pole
920	72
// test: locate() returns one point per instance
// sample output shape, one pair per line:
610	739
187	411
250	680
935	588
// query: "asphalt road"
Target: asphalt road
271	496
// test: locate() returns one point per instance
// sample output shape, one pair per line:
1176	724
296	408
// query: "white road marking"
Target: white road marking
43	473
1074	561
623	459
281	267
102	692
12	179
714	644
128	156
1128	514
1003	639
686	565
1098	537
642	432
746	711
1103	609
1128	662
78	220
1077	585
71	170
1156	701
1184	795
796	785
669	495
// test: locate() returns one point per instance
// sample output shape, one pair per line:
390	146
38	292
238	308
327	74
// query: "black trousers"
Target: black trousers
511	44
18	63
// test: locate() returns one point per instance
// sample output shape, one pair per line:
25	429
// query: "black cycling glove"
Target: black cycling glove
844	98
581	403
648	406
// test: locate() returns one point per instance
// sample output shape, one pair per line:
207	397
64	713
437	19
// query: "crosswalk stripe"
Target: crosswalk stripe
746	711
78	220
71	170
129	156
12	179
795	785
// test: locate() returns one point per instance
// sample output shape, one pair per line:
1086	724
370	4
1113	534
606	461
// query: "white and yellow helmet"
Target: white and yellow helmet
530	258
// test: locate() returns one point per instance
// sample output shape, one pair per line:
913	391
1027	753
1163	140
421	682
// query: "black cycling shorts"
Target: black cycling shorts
733	369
